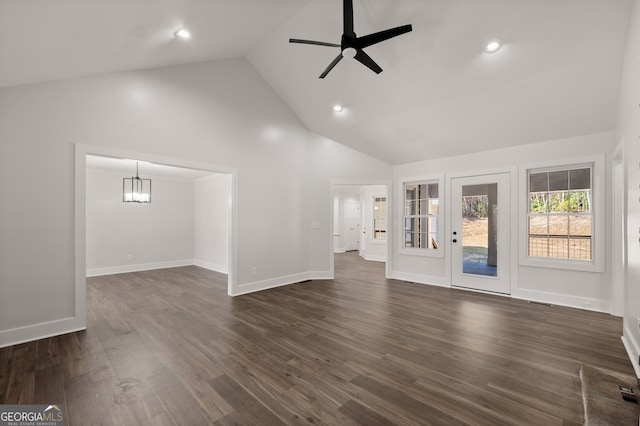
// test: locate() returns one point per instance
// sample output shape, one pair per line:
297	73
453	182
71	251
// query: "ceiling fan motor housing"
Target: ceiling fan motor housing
351	45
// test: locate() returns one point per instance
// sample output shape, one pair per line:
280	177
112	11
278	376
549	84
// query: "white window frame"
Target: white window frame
597	165
373	220
414	251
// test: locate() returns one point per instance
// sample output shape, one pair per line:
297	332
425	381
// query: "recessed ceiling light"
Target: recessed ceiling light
183	33
338	108
493	46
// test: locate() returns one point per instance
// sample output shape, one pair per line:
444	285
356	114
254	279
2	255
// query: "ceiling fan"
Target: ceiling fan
352	45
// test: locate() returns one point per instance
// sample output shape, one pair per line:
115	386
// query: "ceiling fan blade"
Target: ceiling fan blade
348	17
331	65
317	43
366	60
371	39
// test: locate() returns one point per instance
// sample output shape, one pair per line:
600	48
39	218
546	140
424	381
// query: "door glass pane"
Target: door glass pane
479	229
410	239
424	240
379	218
434	206
433	190
433	240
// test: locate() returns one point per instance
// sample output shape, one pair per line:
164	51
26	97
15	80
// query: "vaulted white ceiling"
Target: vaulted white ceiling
440	94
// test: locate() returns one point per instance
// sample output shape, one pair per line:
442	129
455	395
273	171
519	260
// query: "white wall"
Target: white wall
158	234
628	131
211	222
591	290
219	112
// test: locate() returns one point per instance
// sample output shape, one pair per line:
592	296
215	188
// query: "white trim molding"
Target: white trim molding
633	350
585	303
255	286
438	179
252	287
123	269
374	257
420	279
223	269
598	191
320	275
40	331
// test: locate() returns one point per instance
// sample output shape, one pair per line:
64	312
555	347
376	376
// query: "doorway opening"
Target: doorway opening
184	223
84	153
360	226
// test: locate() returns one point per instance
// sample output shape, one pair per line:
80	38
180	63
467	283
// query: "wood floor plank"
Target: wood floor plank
48	354
90	401
399	407
314	407
7	359
363	415
170	347
181	405
489	405
22	377
243	402
50	387
133	393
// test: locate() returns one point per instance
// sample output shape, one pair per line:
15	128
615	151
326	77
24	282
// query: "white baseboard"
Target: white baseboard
339	250
270	283
320	275
374	257
563	300
534	296
122	269
223	269
419	279
633	349
40	331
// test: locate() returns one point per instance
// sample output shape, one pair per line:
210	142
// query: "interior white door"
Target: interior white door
351	225
480	240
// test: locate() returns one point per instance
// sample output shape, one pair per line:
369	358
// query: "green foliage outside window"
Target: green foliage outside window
558	202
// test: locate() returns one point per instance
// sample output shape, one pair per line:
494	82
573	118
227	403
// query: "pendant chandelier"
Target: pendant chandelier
136	190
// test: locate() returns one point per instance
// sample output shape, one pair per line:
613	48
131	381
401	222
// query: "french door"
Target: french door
480	232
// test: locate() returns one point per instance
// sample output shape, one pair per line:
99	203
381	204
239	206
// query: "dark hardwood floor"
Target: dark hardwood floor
170	347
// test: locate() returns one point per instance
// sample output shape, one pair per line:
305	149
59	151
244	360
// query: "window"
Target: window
379	218
421	210
560	220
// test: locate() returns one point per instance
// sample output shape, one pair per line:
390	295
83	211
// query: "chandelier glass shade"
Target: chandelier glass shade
136	190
